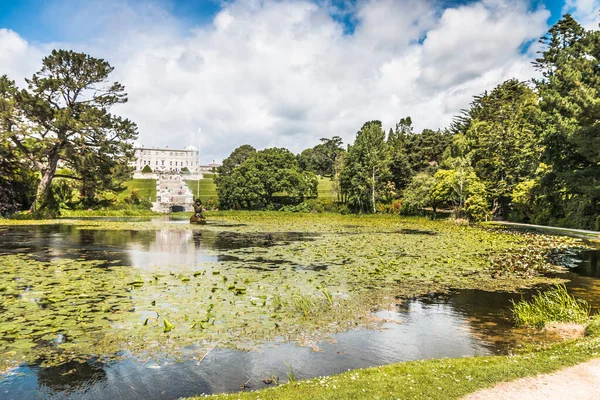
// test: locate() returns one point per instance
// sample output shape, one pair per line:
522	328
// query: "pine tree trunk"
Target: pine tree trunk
43	189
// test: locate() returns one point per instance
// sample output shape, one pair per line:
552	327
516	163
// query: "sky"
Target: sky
284	73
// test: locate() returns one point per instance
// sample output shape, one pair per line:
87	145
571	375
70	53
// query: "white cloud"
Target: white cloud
284	73
586	12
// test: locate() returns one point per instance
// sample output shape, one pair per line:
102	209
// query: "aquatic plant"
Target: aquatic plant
554	305
290	373
328	296
304	304
274	267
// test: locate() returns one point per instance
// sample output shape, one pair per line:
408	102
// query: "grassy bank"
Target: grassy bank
108	212
442	379
325	190
146	189
208	189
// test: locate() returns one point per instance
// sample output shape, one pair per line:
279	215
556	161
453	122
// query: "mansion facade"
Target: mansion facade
166	160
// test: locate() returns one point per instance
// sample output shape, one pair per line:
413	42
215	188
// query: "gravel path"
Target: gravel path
580	382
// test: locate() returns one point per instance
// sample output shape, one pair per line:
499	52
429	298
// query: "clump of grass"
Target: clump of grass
277	302
304	304
593	327
554	305
290	373
328	296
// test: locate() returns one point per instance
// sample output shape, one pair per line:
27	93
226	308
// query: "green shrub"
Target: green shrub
554	305
147	169
390	208
476	209
317	205
211	205
593	327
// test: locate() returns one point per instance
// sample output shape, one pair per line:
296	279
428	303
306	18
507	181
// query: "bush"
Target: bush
554	305
211	205
593	327
147	169
476	209
317	205
394	207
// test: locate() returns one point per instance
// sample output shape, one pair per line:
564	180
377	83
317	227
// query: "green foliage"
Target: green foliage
317	205
395	207
447	187
323	158
593	327
17	181
412	153
554	305
290	373
63	117
476	208
235	159
147	169
569	101
418	194
253	185
502	130
366	167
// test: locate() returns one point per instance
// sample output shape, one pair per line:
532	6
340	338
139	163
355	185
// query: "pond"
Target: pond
218	282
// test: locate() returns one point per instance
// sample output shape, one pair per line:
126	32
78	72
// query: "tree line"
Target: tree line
527	151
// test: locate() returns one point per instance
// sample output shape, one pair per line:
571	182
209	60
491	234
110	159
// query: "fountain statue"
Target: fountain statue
198	218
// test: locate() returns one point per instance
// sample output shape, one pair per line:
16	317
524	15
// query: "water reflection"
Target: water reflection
419	329
140	249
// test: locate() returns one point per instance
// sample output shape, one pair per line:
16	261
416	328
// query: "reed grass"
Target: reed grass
554	305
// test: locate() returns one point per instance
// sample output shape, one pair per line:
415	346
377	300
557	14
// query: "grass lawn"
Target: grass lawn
146	188
208	189
441	379
325	189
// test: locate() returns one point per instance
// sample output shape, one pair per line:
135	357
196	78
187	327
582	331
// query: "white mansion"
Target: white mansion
166	160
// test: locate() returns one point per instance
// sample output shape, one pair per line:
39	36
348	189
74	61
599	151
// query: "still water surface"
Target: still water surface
462	323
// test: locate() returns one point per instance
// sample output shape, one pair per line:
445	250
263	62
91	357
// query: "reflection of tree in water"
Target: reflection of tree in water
71	376
235	240
488	316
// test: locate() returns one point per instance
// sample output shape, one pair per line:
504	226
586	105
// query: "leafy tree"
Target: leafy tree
447	187
63	118
418	194
148	170
366	167
17	181
413	152
570	101
236	158
502	132
323	159
400	166
16	177
254	184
